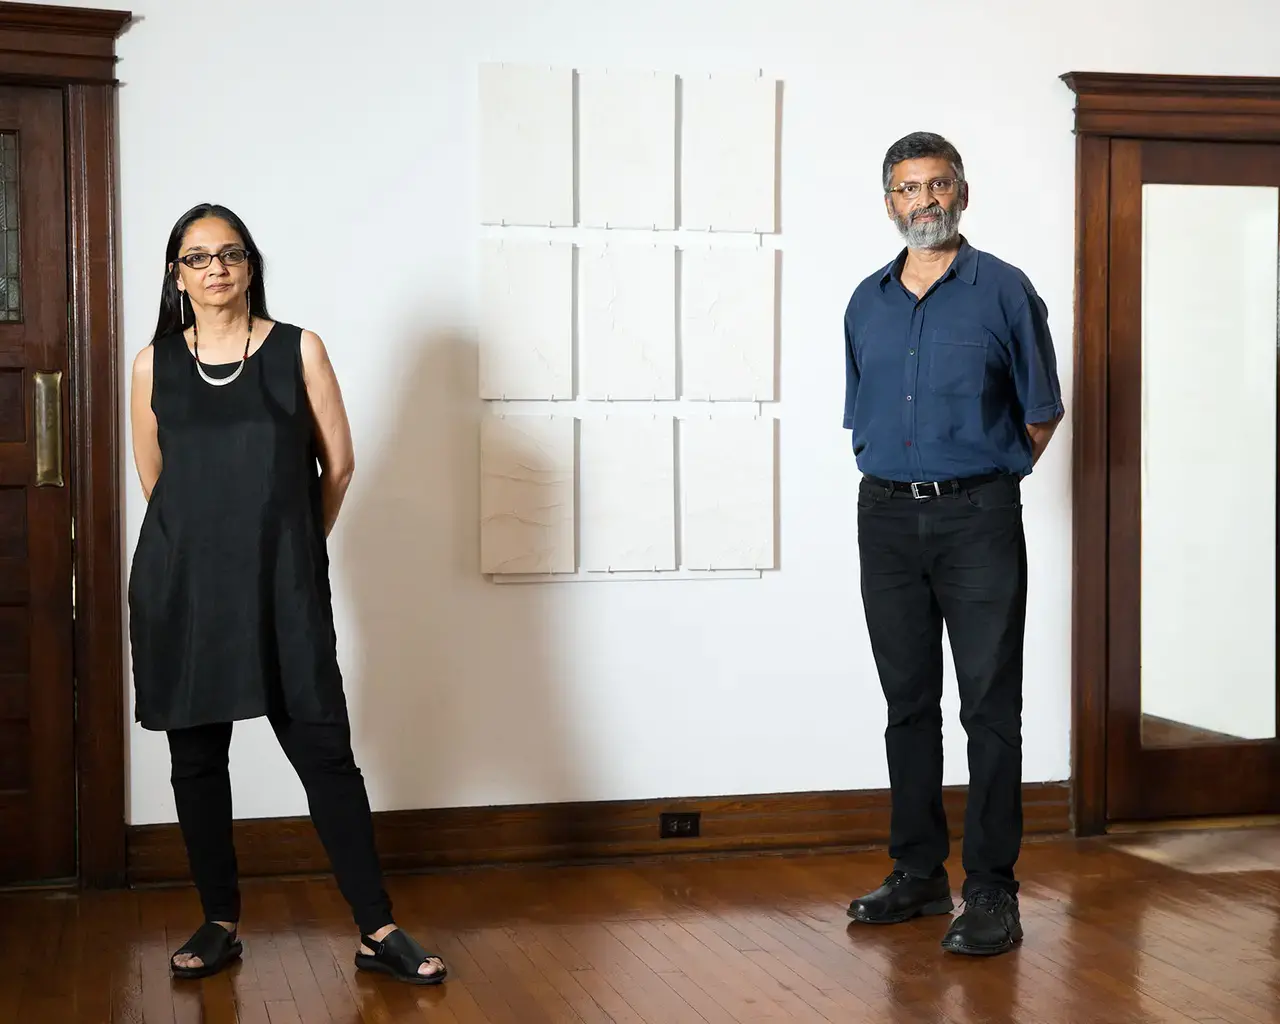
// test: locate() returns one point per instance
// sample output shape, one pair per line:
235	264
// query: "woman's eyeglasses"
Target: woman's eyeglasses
228	258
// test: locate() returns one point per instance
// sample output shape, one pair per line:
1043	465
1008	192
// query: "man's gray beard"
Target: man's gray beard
930	234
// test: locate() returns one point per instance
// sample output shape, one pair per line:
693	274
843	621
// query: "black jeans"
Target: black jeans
959	559
339	804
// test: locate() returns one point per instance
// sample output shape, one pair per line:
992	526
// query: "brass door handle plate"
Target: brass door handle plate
48	429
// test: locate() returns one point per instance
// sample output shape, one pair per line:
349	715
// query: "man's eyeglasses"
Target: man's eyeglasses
937	186
228	258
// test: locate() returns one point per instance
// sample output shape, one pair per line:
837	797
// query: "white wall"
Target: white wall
1208	379
344	134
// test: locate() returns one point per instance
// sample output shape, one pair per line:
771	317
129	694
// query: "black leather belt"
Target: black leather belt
921	489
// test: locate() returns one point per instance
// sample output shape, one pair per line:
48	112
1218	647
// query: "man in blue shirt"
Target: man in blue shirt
951	396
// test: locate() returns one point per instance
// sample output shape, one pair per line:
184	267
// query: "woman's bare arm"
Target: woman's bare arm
337	455
146	444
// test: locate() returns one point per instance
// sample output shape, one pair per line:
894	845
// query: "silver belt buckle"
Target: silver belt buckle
920	495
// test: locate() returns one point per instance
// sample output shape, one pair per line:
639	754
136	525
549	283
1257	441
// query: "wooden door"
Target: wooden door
1194	437
37	703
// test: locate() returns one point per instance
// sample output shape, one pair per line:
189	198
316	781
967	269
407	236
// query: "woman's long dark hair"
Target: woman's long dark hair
171	300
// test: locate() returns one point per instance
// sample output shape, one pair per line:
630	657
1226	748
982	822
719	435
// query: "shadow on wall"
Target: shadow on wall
451	679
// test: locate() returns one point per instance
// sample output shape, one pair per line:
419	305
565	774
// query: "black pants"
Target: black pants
321	755
959	559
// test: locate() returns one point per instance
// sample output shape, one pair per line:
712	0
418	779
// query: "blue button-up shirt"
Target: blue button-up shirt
943	387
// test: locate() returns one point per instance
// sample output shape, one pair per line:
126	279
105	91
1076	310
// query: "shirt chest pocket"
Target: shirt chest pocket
958	363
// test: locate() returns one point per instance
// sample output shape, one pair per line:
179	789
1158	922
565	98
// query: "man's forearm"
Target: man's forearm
1041	434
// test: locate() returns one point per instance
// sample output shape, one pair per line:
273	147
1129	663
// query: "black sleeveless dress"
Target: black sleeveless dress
230	609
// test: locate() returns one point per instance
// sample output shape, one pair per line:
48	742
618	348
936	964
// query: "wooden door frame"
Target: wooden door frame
73	50
1189	108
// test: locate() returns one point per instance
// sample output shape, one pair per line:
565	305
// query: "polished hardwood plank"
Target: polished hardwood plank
1173	927
1164	732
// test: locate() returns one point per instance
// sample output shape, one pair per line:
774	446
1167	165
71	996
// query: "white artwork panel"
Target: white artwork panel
729	153
526	145
727	323
627	149
628	493
727	483
527	494
627	333
526	320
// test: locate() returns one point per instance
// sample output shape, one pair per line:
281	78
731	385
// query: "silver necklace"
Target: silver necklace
219	382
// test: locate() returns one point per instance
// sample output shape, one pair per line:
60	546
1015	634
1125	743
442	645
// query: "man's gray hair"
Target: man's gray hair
918	145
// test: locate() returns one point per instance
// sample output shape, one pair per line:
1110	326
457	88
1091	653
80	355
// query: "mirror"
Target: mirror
1209	336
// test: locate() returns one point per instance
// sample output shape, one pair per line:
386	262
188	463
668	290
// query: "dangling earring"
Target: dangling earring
182	308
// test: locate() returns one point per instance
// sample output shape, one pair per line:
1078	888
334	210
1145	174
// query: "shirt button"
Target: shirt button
908	444
911	352
908	398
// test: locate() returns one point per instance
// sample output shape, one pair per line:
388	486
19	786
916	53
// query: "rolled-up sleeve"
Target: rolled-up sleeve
1035	364
851	375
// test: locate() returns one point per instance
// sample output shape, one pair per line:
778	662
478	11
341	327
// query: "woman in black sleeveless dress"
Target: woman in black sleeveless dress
244	453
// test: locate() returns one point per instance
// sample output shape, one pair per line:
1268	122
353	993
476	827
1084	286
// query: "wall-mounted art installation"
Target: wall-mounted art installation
623	283
526	145
527	494
729	155
626	149
628	493
526	319
727	489
728	305
627	329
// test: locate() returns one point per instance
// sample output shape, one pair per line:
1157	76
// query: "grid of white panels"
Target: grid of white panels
629	268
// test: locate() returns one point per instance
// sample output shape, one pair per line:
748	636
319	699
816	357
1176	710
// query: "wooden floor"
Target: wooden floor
1171	927
1164	732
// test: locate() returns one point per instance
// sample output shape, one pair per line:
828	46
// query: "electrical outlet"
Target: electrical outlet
672	825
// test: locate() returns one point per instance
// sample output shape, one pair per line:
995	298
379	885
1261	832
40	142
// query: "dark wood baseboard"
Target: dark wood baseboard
577	832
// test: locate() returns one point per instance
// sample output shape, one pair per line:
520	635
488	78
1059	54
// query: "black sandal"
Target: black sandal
400	956
214	945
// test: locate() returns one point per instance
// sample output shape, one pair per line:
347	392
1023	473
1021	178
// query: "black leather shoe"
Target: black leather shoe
989	925
903	897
